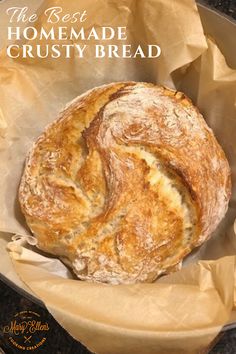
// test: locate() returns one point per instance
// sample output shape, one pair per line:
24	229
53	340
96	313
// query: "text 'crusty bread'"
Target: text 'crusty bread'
125	183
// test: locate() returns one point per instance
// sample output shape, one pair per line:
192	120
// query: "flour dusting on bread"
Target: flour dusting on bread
125	183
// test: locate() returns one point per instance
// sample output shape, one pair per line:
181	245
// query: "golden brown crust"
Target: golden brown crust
125	183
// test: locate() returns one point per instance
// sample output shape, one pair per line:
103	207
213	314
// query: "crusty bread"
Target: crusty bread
125	183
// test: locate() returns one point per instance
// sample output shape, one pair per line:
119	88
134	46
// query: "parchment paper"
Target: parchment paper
182	312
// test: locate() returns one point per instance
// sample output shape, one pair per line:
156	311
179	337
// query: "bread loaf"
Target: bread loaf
125	183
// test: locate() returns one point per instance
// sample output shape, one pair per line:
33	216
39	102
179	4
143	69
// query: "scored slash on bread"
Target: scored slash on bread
125	183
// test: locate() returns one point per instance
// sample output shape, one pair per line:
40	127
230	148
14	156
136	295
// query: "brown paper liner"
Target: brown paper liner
182	312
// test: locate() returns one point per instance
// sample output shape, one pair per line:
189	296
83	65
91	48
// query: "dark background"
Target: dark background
226	6
58	340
